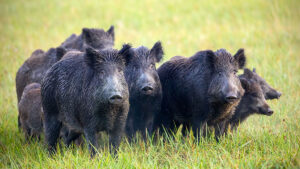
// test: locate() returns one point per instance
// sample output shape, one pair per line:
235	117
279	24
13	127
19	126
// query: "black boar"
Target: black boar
35	67
269	92
87	93
253	101
95	38
203	89
144	89
30	108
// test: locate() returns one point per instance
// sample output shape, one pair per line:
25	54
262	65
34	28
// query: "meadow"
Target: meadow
268	30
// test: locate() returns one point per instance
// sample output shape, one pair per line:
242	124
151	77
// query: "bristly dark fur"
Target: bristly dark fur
194	90
77	93
94	58
140	74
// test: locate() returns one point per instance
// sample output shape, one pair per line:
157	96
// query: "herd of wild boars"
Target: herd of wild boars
85	86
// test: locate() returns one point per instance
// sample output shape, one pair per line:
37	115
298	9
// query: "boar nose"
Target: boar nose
278	95
273	94
230	98
147	89
230	91
270	111
116	98
146	83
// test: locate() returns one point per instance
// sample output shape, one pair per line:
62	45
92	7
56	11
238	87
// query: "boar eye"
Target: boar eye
235	72
102	72
152	66
119	69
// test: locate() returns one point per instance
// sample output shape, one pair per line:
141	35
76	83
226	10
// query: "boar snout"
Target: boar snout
147	89
146	82
230	92
266	110
116	98
231	97
273	94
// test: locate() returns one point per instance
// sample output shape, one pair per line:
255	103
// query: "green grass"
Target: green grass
268	30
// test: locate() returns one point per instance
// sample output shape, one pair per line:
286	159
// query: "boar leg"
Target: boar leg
114	140
129	130
27	132
91	139
115	135
52	130
163	122
185	129
19	122
146	128
219	130
71	137
198	124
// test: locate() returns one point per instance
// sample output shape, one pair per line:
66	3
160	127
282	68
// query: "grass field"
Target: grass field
268	30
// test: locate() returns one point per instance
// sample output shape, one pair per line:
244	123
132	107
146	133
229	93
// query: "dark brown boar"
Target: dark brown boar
30	108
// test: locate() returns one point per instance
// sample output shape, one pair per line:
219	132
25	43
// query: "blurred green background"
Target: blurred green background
268	30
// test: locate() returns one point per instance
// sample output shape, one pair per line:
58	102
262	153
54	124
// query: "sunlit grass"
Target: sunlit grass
268	30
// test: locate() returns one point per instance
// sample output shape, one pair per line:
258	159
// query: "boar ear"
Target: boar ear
248	73
254	70
127	53
86	34
210	57
240	58
60	52
157	51
91	56
245	84
111	31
